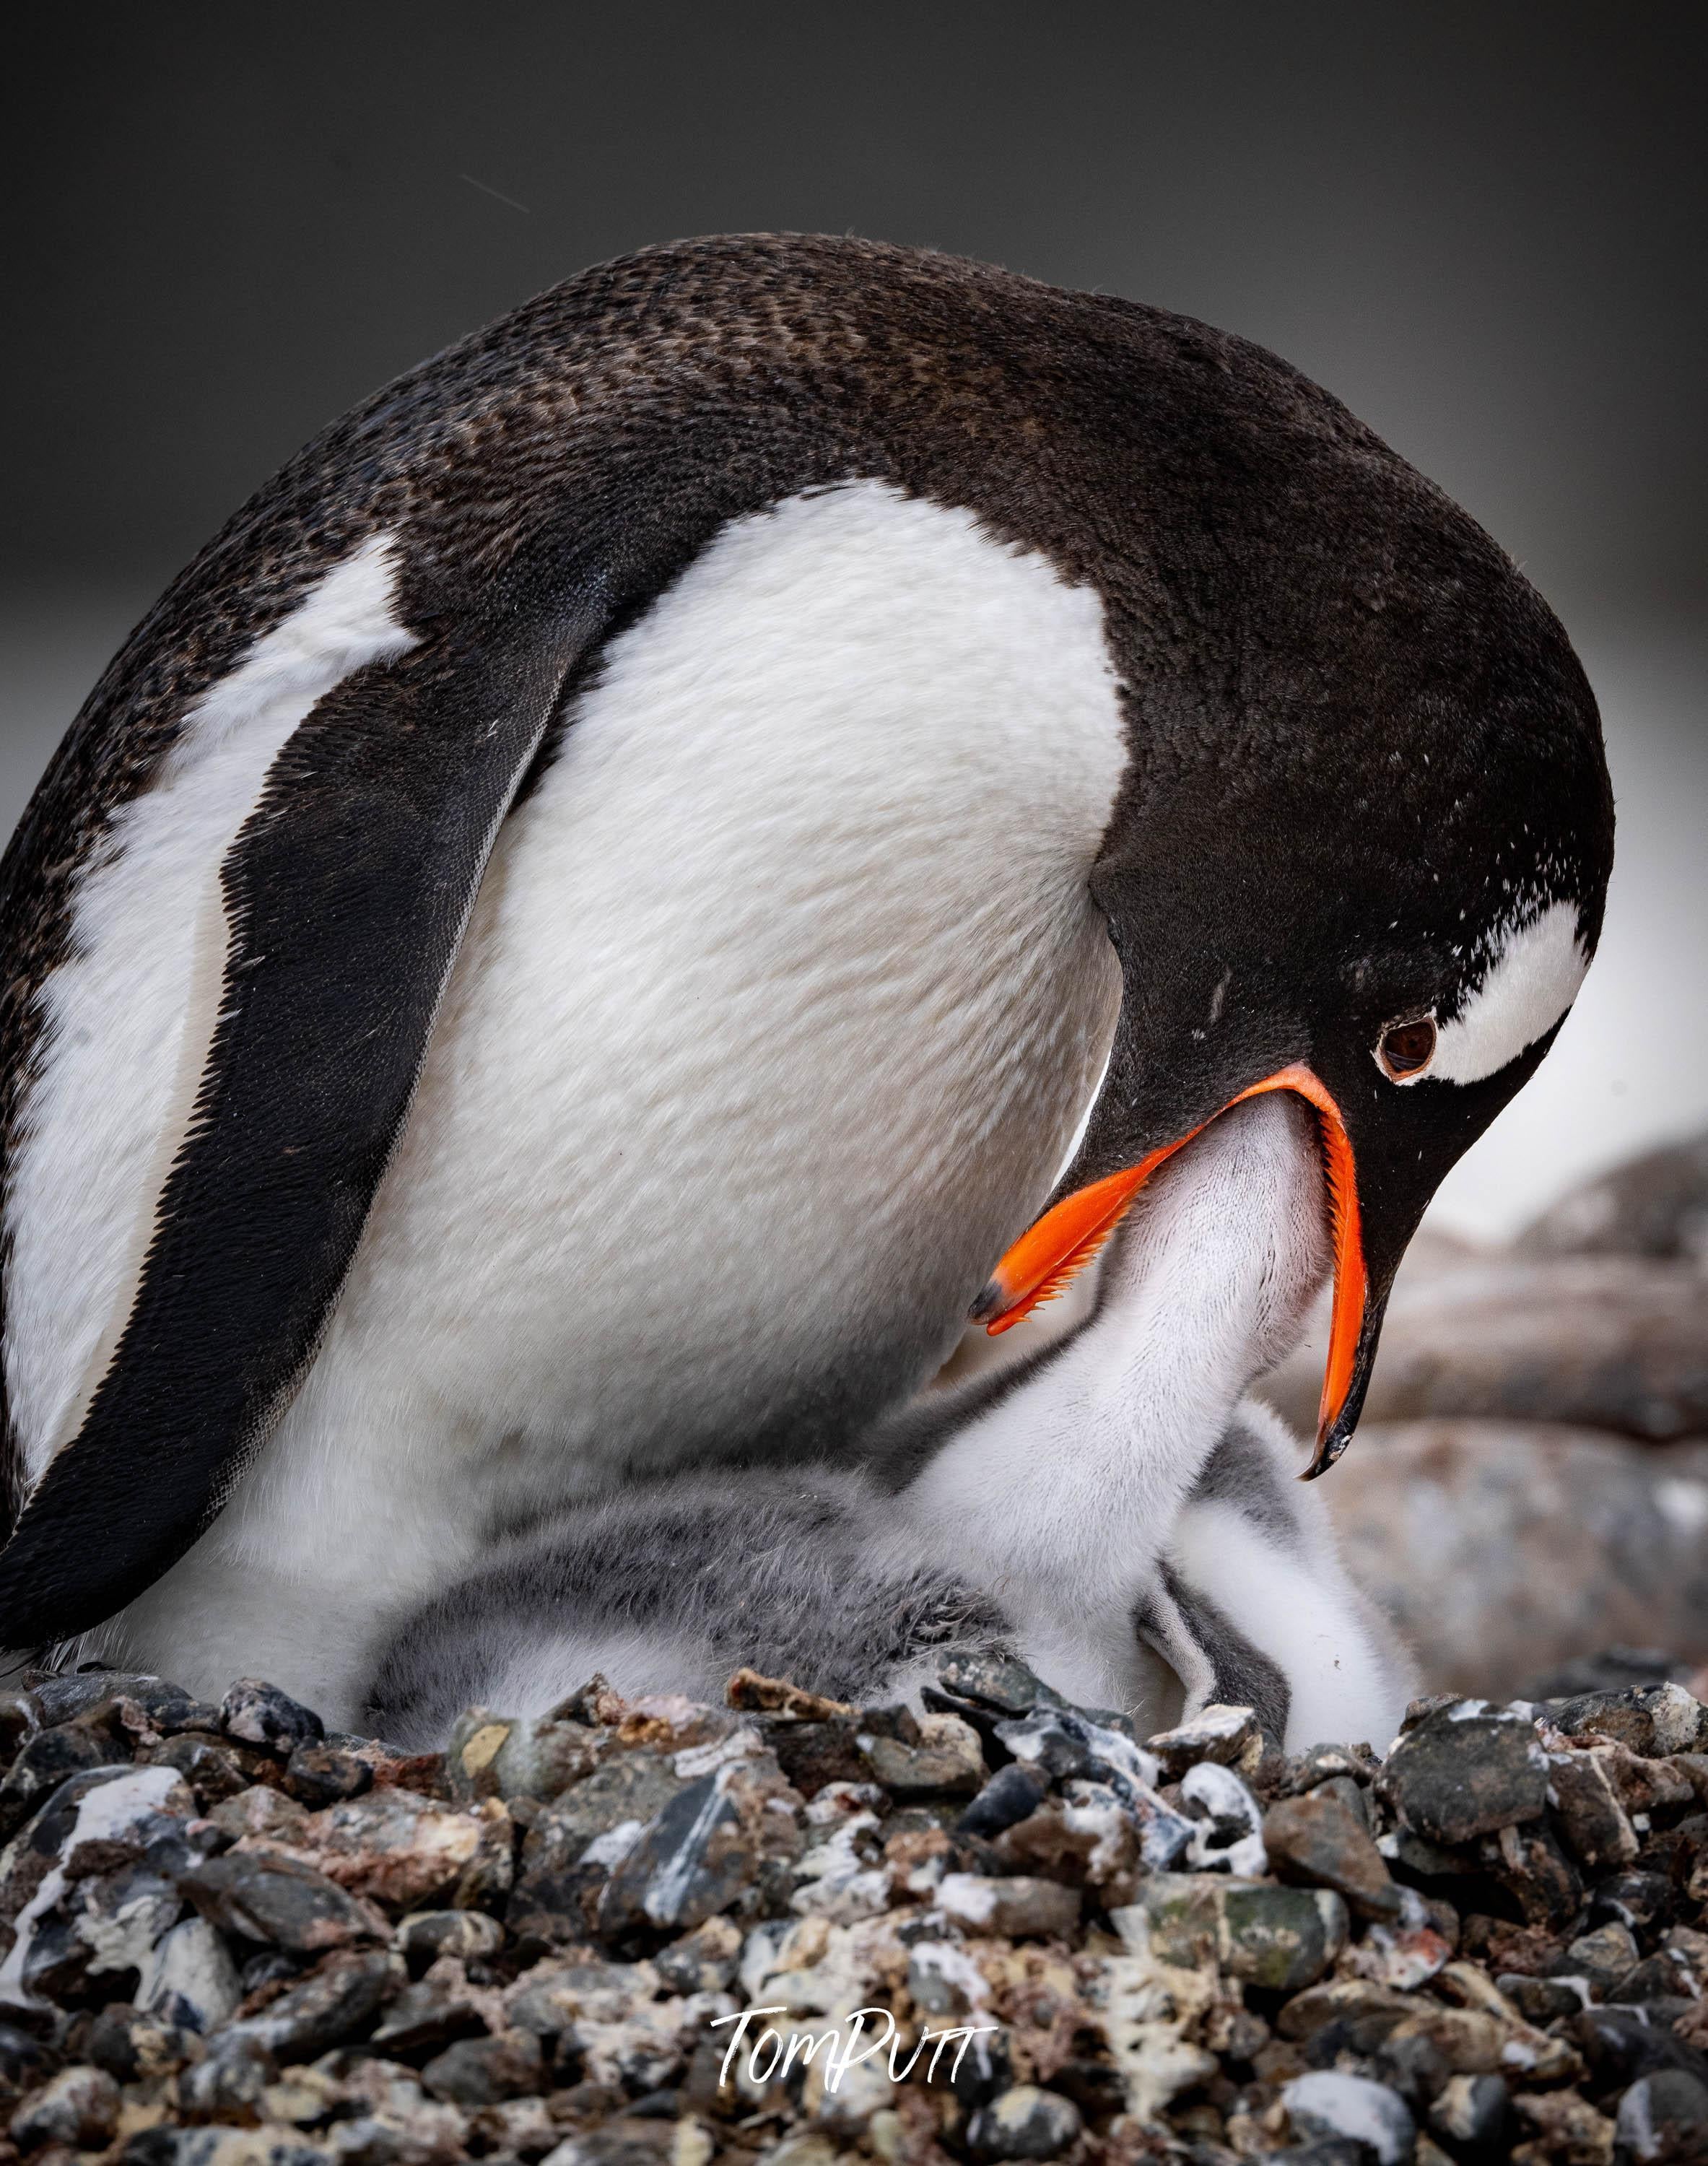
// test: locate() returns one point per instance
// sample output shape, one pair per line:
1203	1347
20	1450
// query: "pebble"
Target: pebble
1327	2103
260	1713
190	1979
1228	1835
230	2080
337	2001
1651	1719
1279	1938
1227	1736
1664	2116
483	2071
424	1935
1317	1839
1655	1205
1018	1908
460	1958
1466	1770
1470	2112
279	1900
79	2107
1025	2122
1011	1795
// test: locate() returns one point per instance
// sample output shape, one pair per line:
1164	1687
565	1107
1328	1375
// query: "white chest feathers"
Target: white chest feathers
783	993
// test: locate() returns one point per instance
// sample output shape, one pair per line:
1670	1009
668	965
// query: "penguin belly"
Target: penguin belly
780	1003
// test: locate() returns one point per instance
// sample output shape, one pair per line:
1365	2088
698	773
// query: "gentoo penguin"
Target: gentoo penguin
1114	1510
580	933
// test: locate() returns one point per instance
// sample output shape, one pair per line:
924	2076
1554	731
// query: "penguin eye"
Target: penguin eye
1405	1049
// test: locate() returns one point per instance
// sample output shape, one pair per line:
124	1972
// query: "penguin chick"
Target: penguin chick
671	1587
1191	1568
1251	1605
1120	1497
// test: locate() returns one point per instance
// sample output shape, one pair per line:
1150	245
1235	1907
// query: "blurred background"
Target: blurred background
1482	225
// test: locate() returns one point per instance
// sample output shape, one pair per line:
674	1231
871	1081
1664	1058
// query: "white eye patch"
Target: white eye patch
1532	978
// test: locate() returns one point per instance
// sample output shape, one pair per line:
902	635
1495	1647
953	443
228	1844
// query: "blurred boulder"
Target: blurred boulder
1654	1206
1617	1343
1505	1550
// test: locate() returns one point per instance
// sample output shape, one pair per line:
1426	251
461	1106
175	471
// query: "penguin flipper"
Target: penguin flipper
346	892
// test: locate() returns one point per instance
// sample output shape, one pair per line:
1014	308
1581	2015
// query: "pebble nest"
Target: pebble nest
231	1939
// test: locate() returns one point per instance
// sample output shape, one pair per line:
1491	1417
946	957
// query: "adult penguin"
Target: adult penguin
588	920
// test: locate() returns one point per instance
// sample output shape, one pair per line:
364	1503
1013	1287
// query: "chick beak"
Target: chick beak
1068	1237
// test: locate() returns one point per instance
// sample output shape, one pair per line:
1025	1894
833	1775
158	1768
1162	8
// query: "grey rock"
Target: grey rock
1405	1953
190	1980
1664	2116
1061	1742
1025	2122
1011	1794
1323	1763
1329	2103
1653	1205
704	1961
168	1706
944	1759
689	1863
1229	1737
131	2044
1018	1908
1470	2110
1666	1975
228	2082
1505	1550
496	1756
260	1713
336	2002
556	1889
478	2071
1651	1719
997	1681
1465	1770
1227	1836
1635	1898
79	2107
1612	1343
1620	2044
1281	1939
437	2011
1543	2001
424	1935
118	1916
1602	1956
269	2144
44	1763
1529	1862
1318	1839
325	1774
1592	1817
279	1900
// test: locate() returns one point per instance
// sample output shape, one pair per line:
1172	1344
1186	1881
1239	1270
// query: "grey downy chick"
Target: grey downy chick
1132	1510
671	1586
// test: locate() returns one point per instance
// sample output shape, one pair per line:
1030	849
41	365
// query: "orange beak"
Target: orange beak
1067	1238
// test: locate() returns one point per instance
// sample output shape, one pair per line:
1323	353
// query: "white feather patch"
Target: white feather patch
1532	978
127	1017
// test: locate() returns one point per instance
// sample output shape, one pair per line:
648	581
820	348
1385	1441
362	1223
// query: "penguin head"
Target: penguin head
1363	857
